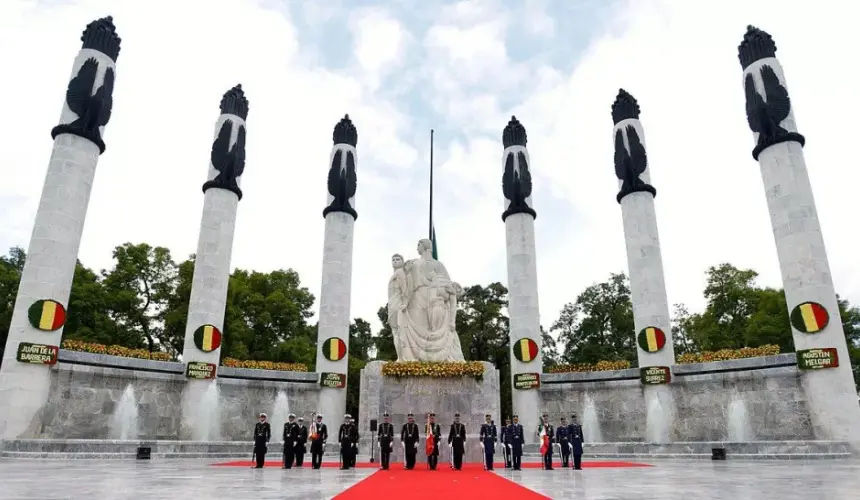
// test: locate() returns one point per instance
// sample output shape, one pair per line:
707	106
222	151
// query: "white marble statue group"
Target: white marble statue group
422	308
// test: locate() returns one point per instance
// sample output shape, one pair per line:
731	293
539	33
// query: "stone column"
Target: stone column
654	347
335	292
519	218
806	276
46	280
208	301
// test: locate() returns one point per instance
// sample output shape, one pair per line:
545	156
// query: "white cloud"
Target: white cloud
677	57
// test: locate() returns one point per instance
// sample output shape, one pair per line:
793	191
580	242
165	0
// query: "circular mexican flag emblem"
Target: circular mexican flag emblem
334	349
809	317
47	315
525	350
651	339
207	338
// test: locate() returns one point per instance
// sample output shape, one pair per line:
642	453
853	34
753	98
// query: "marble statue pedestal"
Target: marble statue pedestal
422	395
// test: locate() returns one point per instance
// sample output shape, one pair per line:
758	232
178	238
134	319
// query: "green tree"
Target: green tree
361	343
139	286
11	267
383	341
353	386
599	325
549	350
682	326
176	310
481	325
89	316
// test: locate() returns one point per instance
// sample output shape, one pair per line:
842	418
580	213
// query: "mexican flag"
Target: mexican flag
433	240
544	439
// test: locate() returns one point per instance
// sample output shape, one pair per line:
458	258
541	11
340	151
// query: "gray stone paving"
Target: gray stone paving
670	480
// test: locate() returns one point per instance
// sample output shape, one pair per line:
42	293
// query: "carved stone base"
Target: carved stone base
421	395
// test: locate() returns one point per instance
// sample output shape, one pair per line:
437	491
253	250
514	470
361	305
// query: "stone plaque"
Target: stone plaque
526	380
333	380
655	375
200	370
816	359
37	353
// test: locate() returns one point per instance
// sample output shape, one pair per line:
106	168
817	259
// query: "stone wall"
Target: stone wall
421	395
766	389
87	388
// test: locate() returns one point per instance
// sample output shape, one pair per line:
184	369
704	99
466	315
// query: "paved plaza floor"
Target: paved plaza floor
171	479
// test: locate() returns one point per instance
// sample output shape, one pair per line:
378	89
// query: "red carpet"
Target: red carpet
473	466
472	483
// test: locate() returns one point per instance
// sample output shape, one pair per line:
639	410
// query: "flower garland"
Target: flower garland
113	350
696	357
399	369
264	365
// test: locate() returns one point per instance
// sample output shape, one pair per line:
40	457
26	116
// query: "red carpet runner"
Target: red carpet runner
472	483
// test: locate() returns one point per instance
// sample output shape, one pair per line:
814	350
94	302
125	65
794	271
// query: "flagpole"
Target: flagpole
430	229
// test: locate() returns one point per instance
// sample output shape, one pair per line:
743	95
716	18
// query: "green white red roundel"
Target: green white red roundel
525	350
334	349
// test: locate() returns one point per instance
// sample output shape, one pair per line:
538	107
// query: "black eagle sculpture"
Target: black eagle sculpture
228	161
517	179
342	180
629	165
766	113
93	108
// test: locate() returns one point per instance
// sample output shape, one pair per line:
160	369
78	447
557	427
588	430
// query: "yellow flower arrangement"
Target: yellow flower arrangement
264	365
727	354
399	369
113	350
600	366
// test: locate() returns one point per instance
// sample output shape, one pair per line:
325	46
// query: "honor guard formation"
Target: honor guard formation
568	437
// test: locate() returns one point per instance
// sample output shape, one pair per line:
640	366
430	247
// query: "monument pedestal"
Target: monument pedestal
422	395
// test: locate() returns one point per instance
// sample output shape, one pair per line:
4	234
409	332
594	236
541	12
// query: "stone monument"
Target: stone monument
46	281
654	347
335	293
819	339
525	332
221	197
422	308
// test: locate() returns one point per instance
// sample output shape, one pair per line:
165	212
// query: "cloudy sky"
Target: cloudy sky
402	67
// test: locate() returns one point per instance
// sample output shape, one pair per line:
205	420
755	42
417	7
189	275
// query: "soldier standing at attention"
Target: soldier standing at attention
506	446
515	438
562	435
432	429
303	440
262	434
344	437
545	434
291	438
576	440
386	440
457	440
409	440
319	435
353	432
489	436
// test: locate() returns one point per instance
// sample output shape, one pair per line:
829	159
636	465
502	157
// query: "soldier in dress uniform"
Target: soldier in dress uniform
457	441
386	440
291	439
344	437
262	434
409	438
515	438
562	437
301	448
547	429
576	440
319	435
434	429
506	446
489	436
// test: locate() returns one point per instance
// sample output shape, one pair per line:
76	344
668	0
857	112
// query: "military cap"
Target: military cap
301	419
488	415
319	415
291	415
347	416
263	415
432	414
456	414
516	416
410	414
385	415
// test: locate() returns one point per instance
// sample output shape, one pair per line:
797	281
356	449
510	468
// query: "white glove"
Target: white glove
403	444
509	447
295	443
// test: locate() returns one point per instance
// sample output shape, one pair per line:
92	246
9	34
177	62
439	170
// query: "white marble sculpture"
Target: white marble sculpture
422	308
